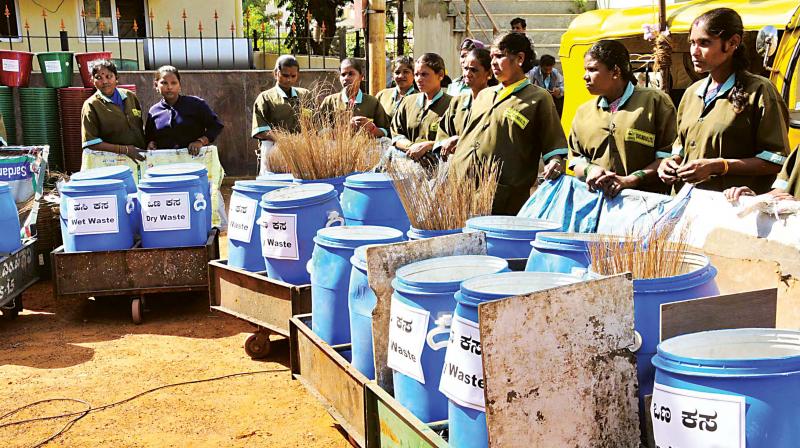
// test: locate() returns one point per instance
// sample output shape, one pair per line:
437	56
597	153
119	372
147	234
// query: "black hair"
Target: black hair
165	70
433	61
470	44
547	60
286	61
519	21
513	43
484	58
100	64
613	54
403	60
355	63
726	23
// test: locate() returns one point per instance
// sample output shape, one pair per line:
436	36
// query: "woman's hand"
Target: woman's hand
734	193
151	146
449	146
668	170
554	168
135	154
612	183
417	150
699	170
365	123
596	177
194	147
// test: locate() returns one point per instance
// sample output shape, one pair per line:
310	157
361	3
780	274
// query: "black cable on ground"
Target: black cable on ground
89	409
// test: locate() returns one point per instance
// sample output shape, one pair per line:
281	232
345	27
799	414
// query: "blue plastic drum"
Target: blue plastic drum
430	285
290	219
330	269
726	379
361	301
95	215
510	236
173	211
561	252
420	234
187	169
9	221
370	199
466	409
337	182
279	177
122	173
244	235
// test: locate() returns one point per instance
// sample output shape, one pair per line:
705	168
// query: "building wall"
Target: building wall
433	33
630	3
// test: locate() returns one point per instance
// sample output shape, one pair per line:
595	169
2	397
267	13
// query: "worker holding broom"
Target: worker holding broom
516	124
368	114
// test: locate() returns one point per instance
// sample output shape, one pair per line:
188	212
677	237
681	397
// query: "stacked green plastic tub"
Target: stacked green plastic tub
41	124
9	114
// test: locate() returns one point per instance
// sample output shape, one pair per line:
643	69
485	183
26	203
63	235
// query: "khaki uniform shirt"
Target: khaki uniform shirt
417	121
274	109
789	178
516	126
363	106
103	121
716	130
640	131
390	98
456	117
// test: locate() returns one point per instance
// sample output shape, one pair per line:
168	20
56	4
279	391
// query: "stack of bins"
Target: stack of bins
41	124
9	114
70	103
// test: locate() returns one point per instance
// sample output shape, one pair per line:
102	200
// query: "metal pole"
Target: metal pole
46	37
85	34
401	29
28	34
185	44
216	34
202	56
119	37
233	49
136	43
152	36
64	40
7	13
169	41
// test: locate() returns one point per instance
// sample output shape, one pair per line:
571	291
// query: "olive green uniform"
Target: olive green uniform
456	117
641	130
363	106
417	120
789	178
104	121
275	109
516	126
715	130
390	98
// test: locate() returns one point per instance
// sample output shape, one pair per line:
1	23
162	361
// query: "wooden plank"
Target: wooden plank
383	261
557	368
390	425
328	376
17	272
752	309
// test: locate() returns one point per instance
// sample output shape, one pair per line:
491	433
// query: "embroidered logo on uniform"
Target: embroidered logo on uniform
516	117
434	126
136	112
641	137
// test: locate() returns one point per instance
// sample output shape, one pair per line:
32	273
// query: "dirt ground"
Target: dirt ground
100	357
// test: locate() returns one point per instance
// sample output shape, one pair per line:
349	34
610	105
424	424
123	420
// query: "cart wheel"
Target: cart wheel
257	345
12	313
137	310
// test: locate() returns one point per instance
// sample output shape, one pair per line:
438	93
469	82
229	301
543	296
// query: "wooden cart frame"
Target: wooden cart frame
18	271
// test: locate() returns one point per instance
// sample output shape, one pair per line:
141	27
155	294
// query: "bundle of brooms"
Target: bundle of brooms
438	198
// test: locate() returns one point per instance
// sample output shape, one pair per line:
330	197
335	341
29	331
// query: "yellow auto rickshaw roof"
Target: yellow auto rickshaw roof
592	26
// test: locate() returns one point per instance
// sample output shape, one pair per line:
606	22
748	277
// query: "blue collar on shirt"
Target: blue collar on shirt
724	88
346	99
467	102
410	91
283	94
603	101
421	100
122	96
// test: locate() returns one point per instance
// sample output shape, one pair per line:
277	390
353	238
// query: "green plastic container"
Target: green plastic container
41	124
9	114
56	66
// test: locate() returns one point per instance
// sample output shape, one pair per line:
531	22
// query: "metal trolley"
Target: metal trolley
18	271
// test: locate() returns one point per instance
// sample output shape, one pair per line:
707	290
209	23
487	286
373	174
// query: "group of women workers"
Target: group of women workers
729	132
112	121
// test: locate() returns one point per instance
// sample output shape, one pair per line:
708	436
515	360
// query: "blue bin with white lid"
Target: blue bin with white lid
10	239
421	311
244	235
361	301
466	407
337	182
280	177
173	211
290	219
370	199
564	251
119	172
421	234
187	169
330	270
736	387
95	215
510	236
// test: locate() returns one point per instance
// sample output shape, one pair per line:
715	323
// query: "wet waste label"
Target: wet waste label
241	218
11	65
691	419
279	236
165	211
462	376
91	215
408	327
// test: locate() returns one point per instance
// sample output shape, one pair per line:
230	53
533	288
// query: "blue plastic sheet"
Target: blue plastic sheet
567	201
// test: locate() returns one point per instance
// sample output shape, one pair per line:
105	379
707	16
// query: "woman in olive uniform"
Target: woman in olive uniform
416	122
368	113
733	125
618	139
459	85
403	76
477	76
515	123
111	119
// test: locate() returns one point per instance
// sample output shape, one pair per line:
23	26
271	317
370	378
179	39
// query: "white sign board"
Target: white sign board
52	66
91	215
241	218
279	236
165	211
408	327
11	65
462	375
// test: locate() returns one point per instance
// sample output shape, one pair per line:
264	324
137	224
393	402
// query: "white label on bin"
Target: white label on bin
462	375
408	327
52	66
690	419
165	211
241	218
10	65
91	215
279	236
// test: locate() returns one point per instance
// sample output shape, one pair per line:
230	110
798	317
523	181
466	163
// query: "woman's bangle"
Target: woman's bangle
639	174
725	167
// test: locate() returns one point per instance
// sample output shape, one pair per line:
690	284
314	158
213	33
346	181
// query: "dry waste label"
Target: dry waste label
408	327
279	236
241	218
462	375
91	215
165	211
52	66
